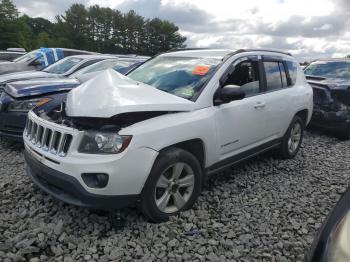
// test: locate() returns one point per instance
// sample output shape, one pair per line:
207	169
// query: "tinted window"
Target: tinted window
293	70
245	75
273	75
329	69
28	57
87	64
63	65
117	65
9	56
283	75
181	76
72	52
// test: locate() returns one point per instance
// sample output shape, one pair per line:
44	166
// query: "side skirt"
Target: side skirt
234	160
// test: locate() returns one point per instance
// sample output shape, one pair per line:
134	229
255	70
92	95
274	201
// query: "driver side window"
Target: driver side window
246	75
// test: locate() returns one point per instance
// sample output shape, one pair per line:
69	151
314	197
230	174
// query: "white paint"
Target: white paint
111	93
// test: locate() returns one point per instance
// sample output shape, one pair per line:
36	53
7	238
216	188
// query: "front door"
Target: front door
241	124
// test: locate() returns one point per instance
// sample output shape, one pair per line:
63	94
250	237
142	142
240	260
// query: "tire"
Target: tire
286	150
160	196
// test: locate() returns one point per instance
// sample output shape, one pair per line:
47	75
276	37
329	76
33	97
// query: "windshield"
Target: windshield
181	76
63	65
115	64
329	69
28	57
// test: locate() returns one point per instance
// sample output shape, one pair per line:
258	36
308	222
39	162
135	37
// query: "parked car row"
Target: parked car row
22	91
38	59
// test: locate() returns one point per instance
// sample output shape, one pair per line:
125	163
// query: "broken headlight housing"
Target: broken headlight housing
95	142
27	105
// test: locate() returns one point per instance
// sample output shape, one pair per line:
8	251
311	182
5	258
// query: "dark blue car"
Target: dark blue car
44	94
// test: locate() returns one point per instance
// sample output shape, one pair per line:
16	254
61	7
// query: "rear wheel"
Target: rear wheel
173	185
293	138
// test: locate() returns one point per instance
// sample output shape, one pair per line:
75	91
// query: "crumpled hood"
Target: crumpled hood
330	91
40	86
111	93
17	76
331	83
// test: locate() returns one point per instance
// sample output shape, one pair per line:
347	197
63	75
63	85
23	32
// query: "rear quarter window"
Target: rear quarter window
293	71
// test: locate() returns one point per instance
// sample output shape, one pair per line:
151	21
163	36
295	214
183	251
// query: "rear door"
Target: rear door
278	97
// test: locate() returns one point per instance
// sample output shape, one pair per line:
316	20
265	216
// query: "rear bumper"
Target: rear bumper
68	189
12	125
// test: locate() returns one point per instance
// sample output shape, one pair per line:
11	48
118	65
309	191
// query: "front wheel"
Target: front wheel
173	185
293	138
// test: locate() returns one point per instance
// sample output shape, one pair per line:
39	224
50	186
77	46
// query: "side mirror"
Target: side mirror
229	93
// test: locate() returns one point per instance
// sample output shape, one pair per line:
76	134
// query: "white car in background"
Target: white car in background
152	137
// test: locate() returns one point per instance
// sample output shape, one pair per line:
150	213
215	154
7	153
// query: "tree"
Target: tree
94	28
8	25
8	11
74	26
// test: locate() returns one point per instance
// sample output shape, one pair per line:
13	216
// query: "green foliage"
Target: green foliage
93	28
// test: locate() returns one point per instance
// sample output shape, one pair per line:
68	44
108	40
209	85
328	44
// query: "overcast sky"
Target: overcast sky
306	28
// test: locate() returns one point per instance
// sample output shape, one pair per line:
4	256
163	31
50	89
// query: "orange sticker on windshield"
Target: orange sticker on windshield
201	70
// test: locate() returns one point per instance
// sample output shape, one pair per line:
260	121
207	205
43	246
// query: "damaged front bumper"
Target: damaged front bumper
57	167
337	121
69	190
331	108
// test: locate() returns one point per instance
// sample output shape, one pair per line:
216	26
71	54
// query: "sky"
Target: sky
309	29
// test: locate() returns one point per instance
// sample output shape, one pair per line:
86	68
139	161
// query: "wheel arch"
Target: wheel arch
195	146
304	115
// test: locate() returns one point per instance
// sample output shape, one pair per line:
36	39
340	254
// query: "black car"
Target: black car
330	80
332	243
46	93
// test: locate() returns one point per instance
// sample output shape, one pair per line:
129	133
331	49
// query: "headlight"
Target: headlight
339	242
333	239
27	105
95	142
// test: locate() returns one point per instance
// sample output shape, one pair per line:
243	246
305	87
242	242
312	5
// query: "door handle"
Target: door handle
259	105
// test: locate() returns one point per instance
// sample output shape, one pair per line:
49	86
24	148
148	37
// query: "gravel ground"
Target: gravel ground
265	210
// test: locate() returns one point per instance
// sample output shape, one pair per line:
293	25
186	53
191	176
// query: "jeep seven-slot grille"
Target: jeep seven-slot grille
48	139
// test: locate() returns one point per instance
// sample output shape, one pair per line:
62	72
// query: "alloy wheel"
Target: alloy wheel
294	138
174	187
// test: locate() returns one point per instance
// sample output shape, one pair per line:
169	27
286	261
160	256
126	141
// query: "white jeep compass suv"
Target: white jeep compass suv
152	137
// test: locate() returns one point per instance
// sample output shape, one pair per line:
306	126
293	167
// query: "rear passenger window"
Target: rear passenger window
273	75
293	69
283	75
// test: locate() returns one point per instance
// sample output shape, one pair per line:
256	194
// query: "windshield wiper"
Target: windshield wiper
164	90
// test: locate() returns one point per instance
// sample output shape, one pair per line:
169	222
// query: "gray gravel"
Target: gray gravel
266	210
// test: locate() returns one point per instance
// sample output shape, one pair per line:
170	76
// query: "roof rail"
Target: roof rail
264	50
188	49
236	52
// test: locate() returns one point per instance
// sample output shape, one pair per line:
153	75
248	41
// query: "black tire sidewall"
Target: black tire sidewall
284	147
165	159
